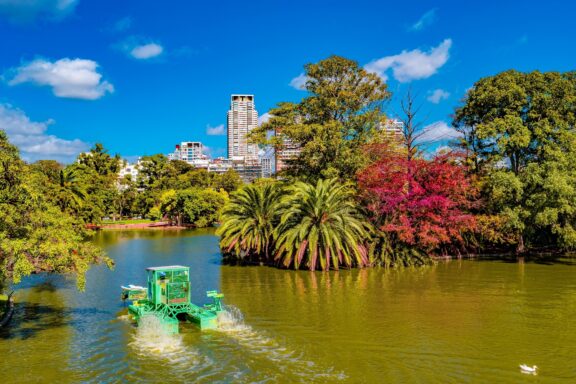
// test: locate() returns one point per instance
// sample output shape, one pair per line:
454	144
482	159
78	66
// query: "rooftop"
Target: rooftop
167	267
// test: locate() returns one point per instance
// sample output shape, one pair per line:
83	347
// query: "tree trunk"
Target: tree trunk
520	248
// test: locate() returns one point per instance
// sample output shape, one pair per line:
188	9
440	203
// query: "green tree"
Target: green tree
35	235
70	194
49	168
125	196
100	160
321	227
228	181
330	125
196	206
520	139
249	219
202	207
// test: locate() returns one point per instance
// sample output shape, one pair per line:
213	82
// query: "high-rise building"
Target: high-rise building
242	118
191	152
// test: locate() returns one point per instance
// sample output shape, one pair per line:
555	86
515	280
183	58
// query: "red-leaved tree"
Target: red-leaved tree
420	203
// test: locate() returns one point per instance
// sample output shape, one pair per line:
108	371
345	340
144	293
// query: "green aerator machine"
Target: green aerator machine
167	297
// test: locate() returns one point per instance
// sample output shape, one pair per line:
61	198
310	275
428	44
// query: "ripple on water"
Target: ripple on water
231	323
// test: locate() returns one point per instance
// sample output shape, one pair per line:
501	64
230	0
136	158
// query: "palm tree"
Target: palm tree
249	219
321	225
70	191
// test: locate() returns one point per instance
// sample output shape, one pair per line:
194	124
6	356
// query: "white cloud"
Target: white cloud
216	131
264	118
437	95
70	78
426	20
438	131
140	48
146	51
299	82
28	10
32	139
412	65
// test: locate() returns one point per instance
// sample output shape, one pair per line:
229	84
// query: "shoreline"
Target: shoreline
159	225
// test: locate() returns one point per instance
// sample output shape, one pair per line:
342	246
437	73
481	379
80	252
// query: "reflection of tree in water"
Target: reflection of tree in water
35	344
37	309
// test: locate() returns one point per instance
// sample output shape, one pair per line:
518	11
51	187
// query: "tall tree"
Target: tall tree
71	194
412	129
35	235
100	160
520	137
340	114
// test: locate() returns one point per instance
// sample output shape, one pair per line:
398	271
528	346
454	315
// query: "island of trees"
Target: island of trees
355	196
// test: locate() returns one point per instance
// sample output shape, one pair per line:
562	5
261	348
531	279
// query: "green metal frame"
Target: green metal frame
158	291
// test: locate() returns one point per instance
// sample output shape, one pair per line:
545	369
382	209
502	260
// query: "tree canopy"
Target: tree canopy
341	113
35	234
519	136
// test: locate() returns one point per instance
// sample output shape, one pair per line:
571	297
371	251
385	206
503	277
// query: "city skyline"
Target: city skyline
139	77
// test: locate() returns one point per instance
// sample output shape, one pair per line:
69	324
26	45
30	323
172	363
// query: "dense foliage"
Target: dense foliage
36	232
520	139
321	226
313	225
509	184
249	220
419	204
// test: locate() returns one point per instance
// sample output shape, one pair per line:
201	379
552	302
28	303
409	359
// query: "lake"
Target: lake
456	322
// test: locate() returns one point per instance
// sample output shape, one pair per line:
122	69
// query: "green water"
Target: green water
458	322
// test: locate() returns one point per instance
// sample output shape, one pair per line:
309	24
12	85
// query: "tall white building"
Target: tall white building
242	118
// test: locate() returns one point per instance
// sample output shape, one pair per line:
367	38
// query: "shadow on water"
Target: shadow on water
30	319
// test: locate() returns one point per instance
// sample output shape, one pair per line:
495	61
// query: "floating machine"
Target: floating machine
167	297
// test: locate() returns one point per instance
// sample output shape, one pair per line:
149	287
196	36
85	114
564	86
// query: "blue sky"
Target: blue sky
140	76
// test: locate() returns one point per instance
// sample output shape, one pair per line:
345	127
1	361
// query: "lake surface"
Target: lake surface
457	322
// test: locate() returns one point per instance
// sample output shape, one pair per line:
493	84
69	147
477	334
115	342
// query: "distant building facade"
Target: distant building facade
287	152
266	166
242	118
191	152
127	169
393	127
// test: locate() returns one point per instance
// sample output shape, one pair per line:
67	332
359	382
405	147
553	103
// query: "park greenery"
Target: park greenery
507	183
46	207
355	195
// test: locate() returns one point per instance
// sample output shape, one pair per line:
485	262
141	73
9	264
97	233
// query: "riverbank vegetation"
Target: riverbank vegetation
356	195
46	207
37	233
506	184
